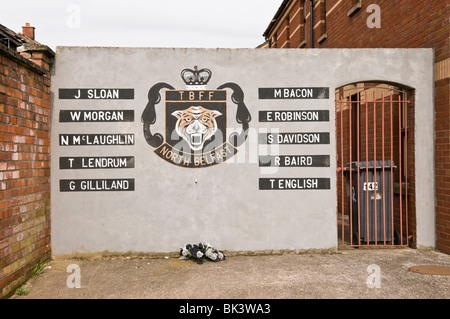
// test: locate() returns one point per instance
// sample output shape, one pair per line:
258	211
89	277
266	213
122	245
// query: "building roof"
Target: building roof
21	43
277	15
9	38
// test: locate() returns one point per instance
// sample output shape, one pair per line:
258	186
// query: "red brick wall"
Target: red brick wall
442	156
24	169
297	25
404	24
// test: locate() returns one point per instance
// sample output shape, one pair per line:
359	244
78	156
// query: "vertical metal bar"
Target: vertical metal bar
400	160
375	162
392	171
406	169
338	167
367	168
382	152
342	172
350	173
357	158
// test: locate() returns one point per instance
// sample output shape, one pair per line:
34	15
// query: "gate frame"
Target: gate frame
406	134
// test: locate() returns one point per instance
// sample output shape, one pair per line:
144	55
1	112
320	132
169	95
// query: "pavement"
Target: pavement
346	274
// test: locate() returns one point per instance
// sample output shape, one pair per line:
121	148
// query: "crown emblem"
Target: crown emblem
196	79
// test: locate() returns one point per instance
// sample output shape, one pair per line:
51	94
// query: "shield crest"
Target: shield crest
196	121
196	124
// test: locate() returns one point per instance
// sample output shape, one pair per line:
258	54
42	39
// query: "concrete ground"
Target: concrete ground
349	274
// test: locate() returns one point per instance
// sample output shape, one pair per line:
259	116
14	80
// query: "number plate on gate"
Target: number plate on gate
371	186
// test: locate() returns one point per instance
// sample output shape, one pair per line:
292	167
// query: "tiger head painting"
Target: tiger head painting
196	125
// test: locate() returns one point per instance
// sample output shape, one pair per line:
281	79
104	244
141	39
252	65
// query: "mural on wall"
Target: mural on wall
121	145
195	121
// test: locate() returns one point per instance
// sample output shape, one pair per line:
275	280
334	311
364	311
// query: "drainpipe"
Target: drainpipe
312	22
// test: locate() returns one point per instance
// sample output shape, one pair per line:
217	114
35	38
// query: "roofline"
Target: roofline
24	43
279	13
11	54
36	47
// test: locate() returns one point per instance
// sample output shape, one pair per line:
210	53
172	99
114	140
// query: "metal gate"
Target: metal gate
373	141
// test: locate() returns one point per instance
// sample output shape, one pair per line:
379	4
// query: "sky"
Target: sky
145	23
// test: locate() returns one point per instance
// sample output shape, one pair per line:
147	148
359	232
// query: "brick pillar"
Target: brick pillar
41	59
24	169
